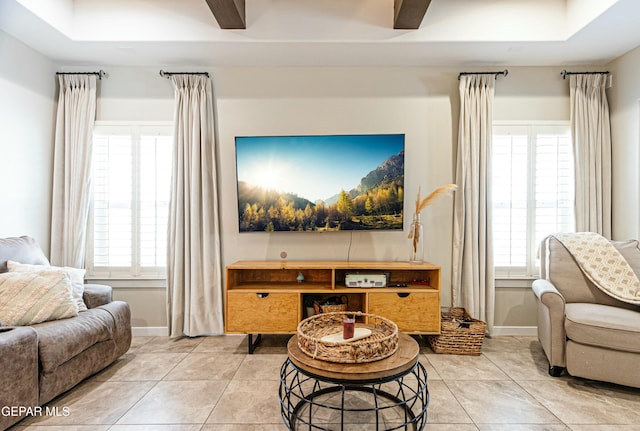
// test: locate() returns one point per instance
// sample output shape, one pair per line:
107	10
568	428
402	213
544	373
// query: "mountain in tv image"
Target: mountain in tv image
375	203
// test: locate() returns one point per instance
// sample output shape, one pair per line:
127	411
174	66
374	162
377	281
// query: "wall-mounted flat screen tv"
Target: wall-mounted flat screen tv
320	183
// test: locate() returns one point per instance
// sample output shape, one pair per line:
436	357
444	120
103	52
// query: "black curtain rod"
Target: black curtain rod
168	74
564	73
100	74
503	72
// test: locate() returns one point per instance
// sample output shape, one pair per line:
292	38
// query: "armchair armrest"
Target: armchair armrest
551	313
548	294
97	294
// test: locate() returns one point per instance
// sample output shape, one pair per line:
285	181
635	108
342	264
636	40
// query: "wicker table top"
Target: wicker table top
400	362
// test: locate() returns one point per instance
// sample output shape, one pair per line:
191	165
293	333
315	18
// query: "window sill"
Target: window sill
514	281
130	283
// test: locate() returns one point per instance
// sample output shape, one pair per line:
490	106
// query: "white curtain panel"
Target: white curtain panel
591	134
194	291
72	169
473	285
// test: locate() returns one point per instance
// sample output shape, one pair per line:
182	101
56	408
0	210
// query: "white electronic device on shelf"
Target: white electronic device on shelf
365	280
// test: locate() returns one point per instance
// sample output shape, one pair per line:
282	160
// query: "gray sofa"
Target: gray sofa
41	361
583	330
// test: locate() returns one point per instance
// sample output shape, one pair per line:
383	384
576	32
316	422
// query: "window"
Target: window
131	186
532	192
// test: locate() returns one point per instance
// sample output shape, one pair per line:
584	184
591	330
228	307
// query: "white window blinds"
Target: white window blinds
131	184
532	193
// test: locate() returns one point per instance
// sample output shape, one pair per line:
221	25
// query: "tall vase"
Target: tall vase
416	235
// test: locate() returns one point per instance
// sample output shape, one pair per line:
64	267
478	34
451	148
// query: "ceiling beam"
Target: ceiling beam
408	14
230	14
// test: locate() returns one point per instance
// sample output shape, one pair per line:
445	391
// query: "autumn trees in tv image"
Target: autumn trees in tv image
378	208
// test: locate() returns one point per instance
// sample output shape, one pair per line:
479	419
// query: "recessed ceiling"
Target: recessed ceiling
326	32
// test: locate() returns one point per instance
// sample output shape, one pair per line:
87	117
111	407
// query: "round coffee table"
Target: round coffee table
390	394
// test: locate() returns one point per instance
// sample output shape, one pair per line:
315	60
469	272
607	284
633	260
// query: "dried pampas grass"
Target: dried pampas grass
422	204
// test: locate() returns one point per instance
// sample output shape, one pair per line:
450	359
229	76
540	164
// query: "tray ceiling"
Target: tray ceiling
326	32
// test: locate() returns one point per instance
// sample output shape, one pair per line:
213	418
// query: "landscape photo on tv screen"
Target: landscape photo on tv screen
320	182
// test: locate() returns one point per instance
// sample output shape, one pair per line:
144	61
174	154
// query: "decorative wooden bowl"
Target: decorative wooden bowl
382	342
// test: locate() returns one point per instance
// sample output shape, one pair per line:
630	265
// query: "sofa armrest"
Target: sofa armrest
121	314
18	372
97	294
551	313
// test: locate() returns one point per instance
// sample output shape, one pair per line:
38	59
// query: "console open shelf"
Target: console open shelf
267	297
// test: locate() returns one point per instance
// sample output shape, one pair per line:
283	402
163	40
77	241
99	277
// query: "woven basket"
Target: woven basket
331	308
382	342
460	334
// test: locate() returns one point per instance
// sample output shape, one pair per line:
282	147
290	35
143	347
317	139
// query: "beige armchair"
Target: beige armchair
582	329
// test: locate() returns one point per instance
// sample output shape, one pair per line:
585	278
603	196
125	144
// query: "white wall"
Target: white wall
624	104
339	101
27	113
134	94
422	103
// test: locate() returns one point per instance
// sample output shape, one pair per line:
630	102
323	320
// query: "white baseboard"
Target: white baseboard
498	331
150	331
515	331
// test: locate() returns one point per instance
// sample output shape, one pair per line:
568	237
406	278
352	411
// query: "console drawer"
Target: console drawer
262	313
411	311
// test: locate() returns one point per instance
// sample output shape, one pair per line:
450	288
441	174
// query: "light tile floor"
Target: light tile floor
212	384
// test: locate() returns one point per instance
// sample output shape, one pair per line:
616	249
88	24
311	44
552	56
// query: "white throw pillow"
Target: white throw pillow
76	275
27	298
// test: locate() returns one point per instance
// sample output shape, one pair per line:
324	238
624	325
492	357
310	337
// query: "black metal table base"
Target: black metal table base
310	402
253	344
